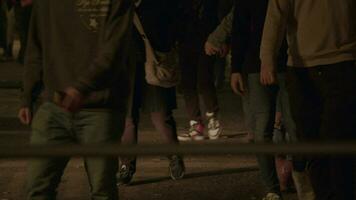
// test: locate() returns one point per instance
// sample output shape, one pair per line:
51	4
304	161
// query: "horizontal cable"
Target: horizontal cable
39	151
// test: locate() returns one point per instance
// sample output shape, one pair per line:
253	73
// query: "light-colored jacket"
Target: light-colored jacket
319	32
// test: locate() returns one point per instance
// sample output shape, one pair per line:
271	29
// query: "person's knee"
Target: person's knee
264	127
162	119
131	123
205	85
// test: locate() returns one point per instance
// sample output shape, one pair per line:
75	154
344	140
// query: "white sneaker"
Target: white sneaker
184	137
214	128
272	196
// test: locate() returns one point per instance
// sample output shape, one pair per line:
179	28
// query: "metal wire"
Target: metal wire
15	151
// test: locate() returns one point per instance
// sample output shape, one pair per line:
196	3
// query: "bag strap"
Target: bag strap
150	54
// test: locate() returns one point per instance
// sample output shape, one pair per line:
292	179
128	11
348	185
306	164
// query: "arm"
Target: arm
241	29
221	34
273	35
32	77
33	62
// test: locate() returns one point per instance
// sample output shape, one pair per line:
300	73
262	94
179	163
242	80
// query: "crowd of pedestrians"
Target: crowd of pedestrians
92	67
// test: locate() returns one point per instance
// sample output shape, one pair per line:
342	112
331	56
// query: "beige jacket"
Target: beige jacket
319	32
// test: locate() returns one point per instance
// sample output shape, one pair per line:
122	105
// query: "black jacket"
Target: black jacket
247	30
197	19
158	18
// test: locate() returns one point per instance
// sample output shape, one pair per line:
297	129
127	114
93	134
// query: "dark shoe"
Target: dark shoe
176	167
125	175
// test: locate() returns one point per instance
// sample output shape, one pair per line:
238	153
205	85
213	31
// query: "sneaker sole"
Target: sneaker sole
177	178
180	138
198	138
215	136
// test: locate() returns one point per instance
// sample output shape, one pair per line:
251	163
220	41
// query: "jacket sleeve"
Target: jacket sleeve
32	76
241	30
112	46
274	31
223	32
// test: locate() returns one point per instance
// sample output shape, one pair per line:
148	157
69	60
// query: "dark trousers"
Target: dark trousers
323	106
22	17
3	25
197	78
162	121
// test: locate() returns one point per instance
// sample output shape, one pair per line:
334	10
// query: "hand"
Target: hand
25	115
25	3
210	49
72	100
268	75
237	84
225	49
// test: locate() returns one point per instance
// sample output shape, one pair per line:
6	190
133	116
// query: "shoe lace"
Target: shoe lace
125	171
213	123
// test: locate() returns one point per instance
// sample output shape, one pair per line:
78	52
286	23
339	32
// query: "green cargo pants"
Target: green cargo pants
53	126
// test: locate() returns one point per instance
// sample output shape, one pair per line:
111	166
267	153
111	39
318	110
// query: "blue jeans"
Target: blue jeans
53	126
263	102
283	106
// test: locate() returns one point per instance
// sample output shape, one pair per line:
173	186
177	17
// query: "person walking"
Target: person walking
77	52
159	102
198	19
321	81
249	18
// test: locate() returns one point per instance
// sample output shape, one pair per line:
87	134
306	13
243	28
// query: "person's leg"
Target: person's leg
100	128
22	16
283	164
50	126
127	167
285	109
2	26
129	136
206	88
305	105
248	116
165	124
300	177
263	105
278	133
10	31
189	63
337	83
219	72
